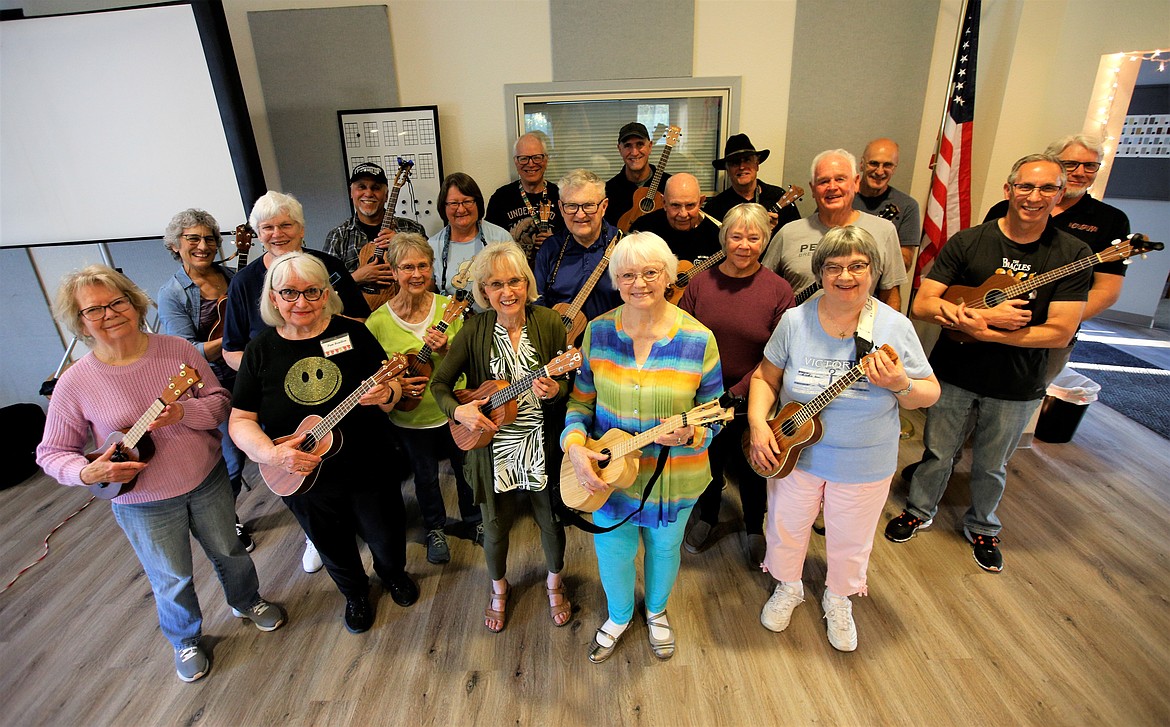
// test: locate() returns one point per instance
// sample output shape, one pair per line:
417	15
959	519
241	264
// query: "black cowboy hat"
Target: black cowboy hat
738	145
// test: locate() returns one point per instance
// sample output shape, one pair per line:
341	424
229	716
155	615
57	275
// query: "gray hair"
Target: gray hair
843	153
847	240
186	219
642	248
579	178
65	302
499	255
750	216
273	204
406	242
538	135
1092	143
307	268
1032	159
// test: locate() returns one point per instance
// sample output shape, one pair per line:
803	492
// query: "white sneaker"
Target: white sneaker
778	610
839	615
311	560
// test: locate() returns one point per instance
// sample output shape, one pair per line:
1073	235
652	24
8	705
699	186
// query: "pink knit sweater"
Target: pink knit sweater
96	397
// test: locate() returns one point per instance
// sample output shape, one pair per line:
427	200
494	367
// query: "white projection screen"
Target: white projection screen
108	126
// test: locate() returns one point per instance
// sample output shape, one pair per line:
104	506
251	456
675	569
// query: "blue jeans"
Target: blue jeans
616	551
234	457
999	423
160	533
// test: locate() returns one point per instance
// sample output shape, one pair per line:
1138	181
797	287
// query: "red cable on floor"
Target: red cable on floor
46	553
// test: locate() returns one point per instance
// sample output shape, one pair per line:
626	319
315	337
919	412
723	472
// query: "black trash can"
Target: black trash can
1069	395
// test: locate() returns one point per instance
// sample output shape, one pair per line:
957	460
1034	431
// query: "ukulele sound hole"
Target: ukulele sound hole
788	427
309	444
605	462
994	298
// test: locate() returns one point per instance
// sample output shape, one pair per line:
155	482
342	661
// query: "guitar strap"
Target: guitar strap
863	338
572	518
528	205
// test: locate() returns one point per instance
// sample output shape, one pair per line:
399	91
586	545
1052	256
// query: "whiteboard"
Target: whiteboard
109	125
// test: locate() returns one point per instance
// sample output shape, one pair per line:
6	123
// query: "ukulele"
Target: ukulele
134	444
890	212
321	440
648	199
688	270
502	407
419	364
798	426
1001	287
244	237
571	314
377	294
624	450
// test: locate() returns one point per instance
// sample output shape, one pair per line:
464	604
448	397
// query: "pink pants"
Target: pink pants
851	517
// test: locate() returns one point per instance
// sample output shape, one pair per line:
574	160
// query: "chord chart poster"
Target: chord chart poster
387	137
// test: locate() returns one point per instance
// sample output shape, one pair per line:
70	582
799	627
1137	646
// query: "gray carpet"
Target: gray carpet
1141	397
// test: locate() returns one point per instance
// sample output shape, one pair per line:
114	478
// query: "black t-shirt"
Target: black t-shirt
619	190
506	207
283	381
1091	220
703	241
969	258
766	194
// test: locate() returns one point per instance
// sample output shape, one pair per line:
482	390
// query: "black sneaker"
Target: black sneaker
402	589
245	538
359	614
985	548
438	552
903	527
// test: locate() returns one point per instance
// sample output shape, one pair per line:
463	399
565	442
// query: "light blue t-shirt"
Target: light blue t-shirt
460	252
860	442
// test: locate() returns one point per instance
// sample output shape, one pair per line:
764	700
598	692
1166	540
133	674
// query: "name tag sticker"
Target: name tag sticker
336	345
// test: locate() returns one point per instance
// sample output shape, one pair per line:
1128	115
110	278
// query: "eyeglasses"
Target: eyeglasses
285	227
1071	165
211	240
588	208
468	203
649	275
98	312
524	159
289	295
410	269
833	270
1046	190
497	285
880	165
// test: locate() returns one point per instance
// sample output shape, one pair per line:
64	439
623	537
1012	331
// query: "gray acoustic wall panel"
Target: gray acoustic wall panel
312	64
859	71
601	40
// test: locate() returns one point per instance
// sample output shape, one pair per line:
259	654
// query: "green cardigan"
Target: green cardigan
470	353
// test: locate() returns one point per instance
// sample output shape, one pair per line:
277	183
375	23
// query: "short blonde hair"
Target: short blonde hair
69	312
750	216
499	255
405	242
307	268
642	248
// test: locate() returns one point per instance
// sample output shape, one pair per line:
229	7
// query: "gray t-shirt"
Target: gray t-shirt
790	251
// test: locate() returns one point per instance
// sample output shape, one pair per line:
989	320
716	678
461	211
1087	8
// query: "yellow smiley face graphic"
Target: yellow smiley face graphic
312	381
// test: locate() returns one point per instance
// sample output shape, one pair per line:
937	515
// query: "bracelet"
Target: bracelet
907	390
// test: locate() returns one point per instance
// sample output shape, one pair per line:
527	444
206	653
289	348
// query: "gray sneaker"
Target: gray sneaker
438	551
191	663
267	616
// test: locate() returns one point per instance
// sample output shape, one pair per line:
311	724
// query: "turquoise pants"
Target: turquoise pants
616	553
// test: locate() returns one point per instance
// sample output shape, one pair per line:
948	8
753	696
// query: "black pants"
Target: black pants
428	447
333	513
726	455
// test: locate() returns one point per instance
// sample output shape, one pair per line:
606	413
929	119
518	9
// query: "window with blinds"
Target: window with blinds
582	128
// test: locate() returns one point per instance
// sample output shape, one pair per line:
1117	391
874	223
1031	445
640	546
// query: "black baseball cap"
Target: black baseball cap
633	129
366	169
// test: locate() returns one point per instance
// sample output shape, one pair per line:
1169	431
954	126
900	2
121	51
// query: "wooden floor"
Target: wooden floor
1075	631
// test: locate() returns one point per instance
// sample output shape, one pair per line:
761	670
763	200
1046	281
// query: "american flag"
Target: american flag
948	209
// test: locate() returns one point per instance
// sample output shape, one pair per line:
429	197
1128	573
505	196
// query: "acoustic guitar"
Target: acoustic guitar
687	270
798	426
244	237
371	254
1001	287
571	314
647	199
134	444
320	438
502	407
890	212
419	363
623	450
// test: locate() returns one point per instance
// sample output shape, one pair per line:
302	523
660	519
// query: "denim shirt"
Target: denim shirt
178	308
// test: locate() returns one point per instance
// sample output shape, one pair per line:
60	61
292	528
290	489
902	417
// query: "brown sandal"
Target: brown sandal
493	614
564	607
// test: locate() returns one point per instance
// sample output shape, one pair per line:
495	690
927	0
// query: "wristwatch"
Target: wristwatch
907	390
